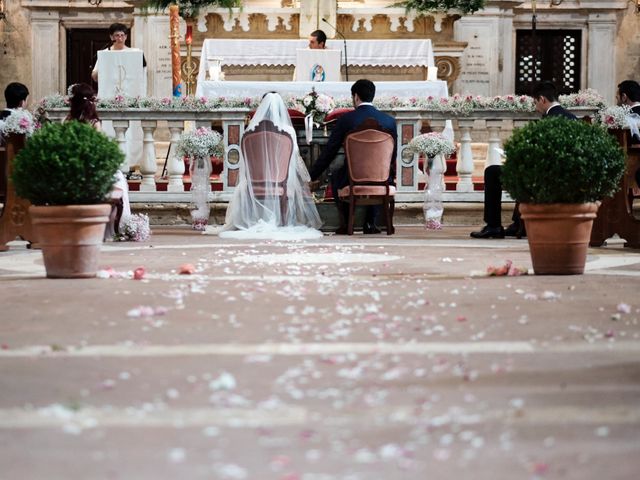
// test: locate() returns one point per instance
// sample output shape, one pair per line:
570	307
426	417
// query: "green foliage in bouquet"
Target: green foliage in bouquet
556	160
66	164
190	8
426	6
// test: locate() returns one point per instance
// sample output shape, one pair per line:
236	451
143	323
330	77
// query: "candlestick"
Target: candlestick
174	21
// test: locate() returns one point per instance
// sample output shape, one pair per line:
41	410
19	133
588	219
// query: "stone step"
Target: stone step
455	213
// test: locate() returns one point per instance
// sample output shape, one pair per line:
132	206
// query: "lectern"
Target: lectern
317	65
120	72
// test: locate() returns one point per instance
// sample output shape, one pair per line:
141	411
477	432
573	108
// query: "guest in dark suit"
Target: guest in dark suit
362	93
545	99
629	94
16	97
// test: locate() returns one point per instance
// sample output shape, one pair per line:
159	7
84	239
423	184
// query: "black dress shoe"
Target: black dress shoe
489	232
515	230
341	231
369	229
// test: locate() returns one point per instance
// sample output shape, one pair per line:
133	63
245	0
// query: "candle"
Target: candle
189	36
533	6
174	20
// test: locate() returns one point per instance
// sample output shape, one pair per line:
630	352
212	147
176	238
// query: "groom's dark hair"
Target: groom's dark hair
547	90
631	89
365	89
15	93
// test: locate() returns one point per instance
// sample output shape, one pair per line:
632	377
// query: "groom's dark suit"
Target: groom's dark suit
346	124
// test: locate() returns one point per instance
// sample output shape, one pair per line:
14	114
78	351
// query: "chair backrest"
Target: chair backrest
368	154
267	153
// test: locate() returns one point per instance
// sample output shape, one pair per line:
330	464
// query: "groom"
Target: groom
362	93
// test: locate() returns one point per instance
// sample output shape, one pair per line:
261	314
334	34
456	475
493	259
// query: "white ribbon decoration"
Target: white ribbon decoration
308	128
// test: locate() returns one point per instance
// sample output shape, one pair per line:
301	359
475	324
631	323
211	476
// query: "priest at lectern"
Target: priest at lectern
317	64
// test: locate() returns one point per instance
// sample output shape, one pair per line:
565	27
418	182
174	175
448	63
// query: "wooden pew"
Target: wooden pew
15	221
616	214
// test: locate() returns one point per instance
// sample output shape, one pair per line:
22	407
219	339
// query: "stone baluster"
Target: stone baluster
120	127
148	164
464	165
175	165
493	157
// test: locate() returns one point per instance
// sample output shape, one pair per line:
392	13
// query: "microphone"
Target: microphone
346	62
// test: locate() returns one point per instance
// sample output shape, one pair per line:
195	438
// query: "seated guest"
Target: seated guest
83	109
362	93
545	99
629	94
16	97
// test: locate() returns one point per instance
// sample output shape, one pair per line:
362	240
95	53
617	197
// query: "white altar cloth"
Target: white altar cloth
401	53
338	90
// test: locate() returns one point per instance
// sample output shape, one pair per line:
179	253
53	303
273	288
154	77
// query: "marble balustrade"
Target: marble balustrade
487	126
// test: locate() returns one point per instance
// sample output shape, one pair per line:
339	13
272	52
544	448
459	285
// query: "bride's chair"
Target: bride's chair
267	153
368	154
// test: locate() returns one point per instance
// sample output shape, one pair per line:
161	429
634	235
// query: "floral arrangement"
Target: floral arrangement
200	143
20	121
456	105
431	144
190	8
317	104
614	117
423	6
134	228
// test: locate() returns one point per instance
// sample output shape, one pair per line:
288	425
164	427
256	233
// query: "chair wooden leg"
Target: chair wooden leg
387	216
352	211
390	227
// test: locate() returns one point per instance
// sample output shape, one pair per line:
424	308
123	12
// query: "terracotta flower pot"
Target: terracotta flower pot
558	235
70	237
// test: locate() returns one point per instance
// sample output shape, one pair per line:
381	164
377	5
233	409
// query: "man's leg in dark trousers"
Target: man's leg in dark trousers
493	196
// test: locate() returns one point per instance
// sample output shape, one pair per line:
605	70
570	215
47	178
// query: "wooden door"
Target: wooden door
82	52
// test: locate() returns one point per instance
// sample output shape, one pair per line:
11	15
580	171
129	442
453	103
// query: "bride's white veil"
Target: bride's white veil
272	192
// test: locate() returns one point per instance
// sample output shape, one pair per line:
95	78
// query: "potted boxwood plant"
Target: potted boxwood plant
67	171
559	170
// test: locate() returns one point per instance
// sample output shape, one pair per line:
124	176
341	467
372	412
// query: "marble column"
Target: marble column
602	55
45	61
151	35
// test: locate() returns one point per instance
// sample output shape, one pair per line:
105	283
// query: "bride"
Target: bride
255	211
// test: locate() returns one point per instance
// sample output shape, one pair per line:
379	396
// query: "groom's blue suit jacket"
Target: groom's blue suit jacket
345	125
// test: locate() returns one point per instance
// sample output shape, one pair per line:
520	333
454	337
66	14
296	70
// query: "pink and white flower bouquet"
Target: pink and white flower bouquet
20	121
318	105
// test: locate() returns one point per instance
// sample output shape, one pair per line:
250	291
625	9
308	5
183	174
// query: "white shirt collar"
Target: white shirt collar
365	103
555	104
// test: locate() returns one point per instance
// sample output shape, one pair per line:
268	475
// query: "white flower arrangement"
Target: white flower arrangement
135	228
431	144
614	117
456	105
200	143
20	121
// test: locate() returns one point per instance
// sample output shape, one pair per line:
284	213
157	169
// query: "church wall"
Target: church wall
628	45
15	43
44	29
